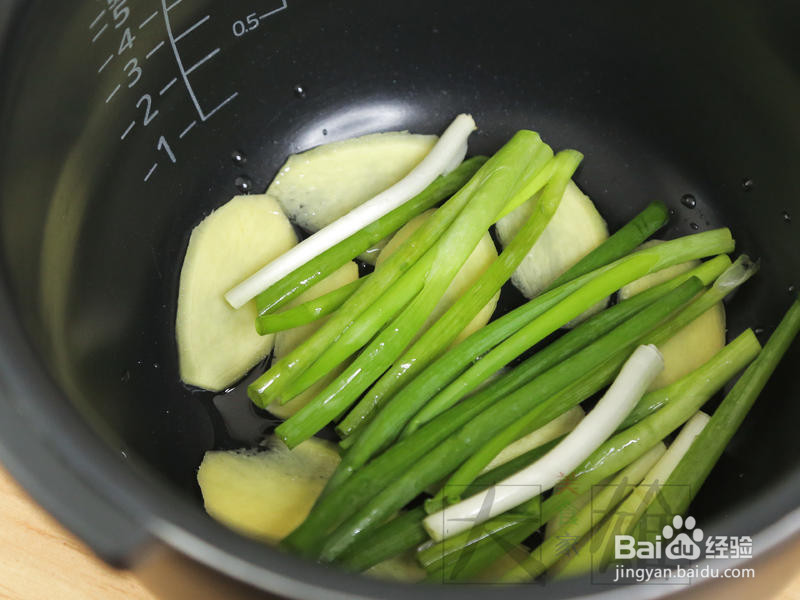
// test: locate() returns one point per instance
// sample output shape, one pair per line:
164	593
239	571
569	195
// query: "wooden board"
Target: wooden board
39	560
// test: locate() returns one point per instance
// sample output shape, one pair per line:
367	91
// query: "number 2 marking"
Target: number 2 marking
147	100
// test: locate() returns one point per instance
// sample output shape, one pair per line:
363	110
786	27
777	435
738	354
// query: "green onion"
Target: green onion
432	379
307	312
695	466
738	273
394	537
274	382
638	372
408	467
625	270
405	531
442	333
368	324
603	500
622	242
326	263
619	451
543	436
597	549
581	335
523	152
446	154
412	282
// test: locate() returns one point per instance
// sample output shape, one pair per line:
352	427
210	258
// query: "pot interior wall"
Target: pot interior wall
662	101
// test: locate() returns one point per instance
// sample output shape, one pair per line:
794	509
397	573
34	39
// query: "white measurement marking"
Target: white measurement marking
272	12
150	172
205	59
163	144
187	130
127	131
148	19
220	105
192	28
99	32
166	87
154	50
173	5
105	63
97	18
184	73
111	95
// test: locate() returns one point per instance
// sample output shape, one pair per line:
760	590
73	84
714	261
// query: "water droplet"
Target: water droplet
758	330
694	226
299	91
156	365
126	377
243	184
747	184
671	212
324	132
787	218
688	201
123	453
791	289
239	158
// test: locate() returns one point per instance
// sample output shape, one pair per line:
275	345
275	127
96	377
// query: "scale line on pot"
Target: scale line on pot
192	28
187	130
148	19
99	32
97	18
105	63
150	172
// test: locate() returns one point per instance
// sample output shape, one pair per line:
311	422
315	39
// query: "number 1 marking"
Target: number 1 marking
163	144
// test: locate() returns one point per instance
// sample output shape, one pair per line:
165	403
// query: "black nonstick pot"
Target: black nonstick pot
124	123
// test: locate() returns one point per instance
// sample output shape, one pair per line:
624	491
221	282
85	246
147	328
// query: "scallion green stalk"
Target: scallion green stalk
575	339
385	484
596	550
693	469
603	501
636	375
272	384
314	271
307	312
627	269
445	155
619	451
525	151
441	334
621	242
